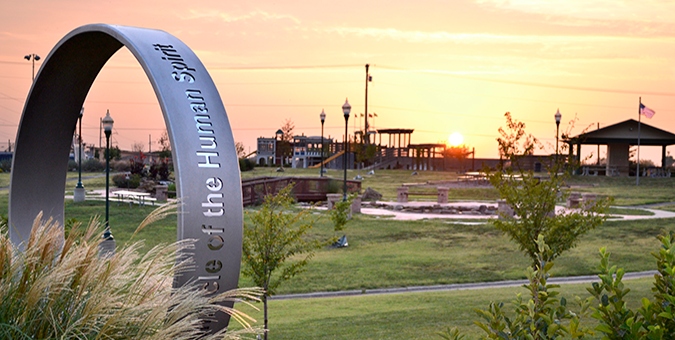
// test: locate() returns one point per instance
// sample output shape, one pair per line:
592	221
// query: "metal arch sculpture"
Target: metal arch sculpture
205	161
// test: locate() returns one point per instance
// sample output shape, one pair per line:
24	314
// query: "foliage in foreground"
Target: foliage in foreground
545	316
62	289
655	319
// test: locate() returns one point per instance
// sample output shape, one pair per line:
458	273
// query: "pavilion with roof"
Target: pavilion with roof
619	138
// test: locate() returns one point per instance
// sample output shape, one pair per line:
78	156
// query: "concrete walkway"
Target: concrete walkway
454	287
410	216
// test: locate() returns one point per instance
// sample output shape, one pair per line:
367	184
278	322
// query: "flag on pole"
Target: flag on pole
647	112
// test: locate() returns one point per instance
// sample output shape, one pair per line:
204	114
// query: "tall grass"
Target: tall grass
62	289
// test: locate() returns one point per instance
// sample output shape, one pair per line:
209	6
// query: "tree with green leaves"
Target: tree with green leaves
533	198
276	244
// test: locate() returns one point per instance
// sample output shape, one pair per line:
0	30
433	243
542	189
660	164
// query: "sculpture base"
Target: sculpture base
78	195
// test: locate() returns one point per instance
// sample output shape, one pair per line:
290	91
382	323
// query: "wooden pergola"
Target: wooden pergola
618	138
395	136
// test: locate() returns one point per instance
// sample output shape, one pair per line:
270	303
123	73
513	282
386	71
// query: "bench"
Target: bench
403	192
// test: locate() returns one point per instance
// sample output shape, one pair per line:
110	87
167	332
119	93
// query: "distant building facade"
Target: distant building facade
266	152
307	150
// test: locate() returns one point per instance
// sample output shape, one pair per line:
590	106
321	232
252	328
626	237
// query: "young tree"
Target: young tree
239	147
164	145
287	128
137	147
276	246
285	145
534	199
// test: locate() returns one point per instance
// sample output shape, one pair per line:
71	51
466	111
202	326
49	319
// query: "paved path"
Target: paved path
454	287
402	215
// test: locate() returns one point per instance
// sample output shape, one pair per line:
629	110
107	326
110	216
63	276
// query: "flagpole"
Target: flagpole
637	175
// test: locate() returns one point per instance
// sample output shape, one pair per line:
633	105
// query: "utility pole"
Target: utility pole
368	78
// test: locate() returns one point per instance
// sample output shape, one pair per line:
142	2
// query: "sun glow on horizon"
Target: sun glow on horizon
455	139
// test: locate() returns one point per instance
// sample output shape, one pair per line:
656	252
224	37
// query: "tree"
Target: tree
513	141
285	145
287	128
239	148
164	145
276	246
458	152
137	147
533	199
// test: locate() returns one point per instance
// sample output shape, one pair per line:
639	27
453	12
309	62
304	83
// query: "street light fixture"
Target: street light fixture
278	149
557	116
323	119
346	109
108	244
78	193
34	58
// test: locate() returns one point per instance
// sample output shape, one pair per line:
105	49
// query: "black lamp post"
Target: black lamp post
278	148
33	57
78	193
323	119
557	116
108	239
346	108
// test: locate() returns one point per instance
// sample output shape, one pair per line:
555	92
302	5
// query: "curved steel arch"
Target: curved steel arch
205	162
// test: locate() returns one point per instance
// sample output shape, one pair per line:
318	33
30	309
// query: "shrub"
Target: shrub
160	170
127	181
72	165
246	164
656	318
171	190
6	165
63	289
93	165
334	186
119	166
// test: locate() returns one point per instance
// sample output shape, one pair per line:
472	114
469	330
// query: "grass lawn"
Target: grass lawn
407	316
387	253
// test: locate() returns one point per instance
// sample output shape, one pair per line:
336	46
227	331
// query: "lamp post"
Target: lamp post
346	108
323	119
33	57
108	244
557	116
278	148
78	193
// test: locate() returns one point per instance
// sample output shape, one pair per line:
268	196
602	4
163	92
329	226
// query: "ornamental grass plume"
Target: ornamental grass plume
61	289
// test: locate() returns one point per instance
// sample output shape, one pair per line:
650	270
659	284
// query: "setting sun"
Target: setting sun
455	139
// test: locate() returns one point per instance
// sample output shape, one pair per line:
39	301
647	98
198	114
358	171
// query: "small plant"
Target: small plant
544	315
61	289
656	318
276	244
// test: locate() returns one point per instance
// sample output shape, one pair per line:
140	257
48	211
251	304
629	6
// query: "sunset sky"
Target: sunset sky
438	67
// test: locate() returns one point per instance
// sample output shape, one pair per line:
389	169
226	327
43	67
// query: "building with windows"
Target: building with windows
267	151
307	150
